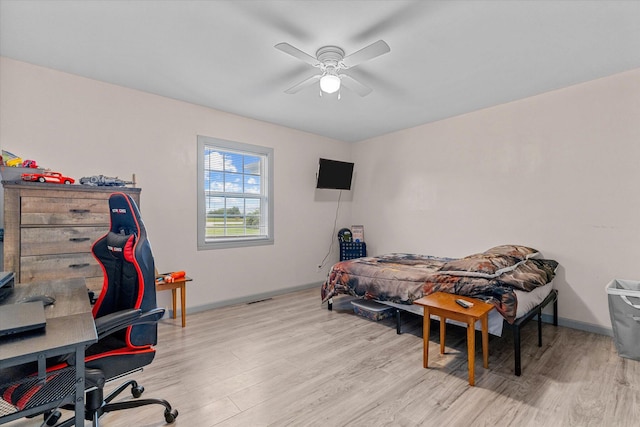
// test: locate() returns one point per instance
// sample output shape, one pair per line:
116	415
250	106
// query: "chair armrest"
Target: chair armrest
151	316
112	322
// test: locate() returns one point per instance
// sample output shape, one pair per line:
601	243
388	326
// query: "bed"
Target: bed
512	277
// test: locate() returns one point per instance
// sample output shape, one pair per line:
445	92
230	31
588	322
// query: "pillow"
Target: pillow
120	245
517	251
487	266
530	275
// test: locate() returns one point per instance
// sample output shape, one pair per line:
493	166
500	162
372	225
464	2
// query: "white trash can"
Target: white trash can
624	309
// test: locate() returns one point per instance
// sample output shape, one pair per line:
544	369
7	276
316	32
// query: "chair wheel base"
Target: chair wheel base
170	416
137	391
51	418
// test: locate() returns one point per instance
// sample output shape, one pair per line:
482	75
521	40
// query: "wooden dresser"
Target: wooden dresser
49	229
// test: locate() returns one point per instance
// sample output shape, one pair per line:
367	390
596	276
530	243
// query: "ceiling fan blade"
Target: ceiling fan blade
354	85
366	53
307	82
295	52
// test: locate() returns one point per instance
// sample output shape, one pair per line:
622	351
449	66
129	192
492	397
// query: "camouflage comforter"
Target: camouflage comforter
401	278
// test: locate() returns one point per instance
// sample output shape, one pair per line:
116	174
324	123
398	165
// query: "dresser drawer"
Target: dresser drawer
49	267
63	211
59	240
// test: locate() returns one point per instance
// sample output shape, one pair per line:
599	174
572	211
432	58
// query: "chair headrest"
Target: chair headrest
125	217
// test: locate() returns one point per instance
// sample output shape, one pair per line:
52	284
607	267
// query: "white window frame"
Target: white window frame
266	195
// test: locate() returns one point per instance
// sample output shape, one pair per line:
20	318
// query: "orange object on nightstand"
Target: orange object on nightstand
172	277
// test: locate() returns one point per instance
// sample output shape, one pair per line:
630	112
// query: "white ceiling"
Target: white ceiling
447	57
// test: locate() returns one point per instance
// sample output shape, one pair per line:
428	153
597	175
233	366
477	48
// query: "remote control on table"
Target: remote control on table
463	303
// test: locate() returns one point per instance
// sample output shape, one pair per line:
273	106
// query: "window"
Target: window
235	194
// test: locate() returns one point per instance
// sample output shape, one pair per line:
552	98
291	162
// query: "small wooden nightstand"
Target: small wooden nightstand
444	305
181	284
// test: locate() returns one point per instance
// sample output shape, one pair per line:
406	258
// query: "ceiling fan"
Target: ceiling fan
331	61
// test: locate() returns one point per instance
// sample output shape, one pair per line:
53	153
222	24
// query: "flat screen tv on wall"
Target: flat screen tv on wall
334	174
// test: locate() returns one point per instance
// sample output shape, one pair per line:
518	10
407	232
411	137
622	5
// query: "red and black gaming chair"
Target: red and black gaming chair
125	315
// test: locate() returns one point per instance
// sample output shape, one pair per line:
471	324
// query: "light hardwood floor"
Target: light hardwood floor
288	361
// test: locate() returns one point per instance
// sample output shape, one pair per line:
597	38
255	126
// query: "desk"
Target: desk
174	286
444	305
70	328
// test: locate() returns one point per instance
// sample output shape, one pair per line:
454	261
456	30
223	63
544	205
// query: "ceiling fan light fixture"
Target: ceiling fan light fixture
331	60
330	83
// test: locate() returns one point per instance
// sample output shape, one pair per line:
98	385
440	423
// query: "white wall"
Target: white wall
559	172
83	127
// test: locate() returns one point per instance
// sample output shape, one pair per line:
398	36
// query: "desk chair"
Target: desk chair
125	314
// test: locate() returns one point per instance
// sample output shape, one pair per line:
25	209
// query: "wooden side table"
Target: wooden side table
181	284
444	305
